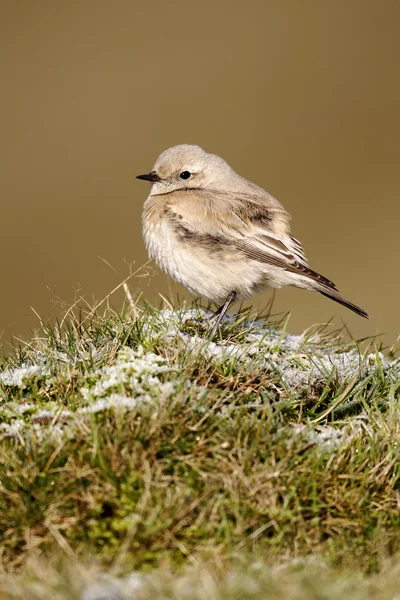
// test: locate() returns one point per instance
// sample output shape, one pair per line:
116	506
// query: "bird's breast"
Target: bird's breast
195	261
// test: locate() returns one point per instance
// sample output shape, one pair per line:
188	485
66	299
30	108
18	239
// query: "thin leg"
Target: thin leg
217	312
220	313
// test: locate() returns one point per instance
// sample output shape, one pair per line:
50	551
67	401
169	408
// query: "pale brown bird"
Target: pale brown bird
220	235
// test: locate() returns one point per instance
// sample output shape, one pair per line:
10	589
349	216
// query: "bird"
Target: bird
221	236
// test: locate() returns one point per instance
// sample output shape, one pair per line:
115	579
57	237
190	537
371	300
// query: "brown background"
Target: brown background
301	97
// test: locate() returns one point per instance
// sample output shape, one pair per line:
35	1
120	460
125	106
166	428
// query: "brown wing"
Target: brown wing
257	227
286	261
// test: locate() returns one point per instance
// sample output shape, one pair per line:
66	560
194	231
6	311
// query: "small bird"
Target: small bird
220	235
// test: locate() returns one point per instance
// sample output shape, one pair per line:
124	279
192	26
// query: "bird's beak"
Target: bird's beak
153	177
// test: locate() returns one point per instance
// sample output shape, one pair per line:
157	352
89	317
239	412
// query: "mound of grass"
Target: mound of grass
134	446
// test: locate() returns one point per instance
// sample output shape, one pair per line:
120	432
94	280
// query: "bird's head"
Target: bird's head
186	167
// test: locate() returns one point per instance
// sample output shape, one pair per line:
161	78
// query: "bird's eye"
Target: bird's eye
185	175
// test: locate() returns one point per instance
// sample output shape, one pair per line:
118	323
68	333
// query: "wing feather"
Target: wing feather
258	227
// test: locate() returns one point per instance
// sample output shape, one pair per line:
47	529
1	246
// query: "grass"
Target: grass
138	459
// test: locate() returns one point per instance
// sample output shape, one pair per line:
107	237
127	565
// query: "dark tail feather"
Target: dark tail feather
334	295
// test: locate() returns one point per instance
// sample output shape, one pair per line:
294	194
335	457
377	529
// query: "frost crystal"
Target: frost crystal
21	376
133	372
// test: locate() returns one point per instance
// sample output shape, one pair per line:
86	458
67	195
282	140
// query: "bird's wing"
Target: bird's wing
262	245
257	227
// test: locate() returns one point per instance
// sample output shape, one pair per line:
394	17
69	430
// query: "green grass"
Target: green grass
260	465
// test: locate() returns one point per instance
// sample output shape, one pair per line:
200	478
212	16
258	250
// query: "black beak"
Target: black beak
149	177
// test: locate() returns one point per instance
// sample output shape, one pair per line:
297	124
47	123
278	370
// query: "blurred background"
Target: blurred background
300	97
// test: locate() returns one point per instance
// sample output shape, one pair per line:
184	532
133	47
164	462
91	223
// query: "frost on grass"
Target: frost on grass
135	372
299	361
132	381
21	376
327	438
107	374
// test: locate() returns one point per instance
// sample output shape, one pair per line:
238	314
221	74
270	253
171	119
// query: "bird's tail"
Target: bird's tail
335	295
326	287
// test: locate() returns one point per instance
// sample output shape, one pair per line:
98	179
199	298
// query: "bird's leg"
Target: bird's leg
218	315
217	312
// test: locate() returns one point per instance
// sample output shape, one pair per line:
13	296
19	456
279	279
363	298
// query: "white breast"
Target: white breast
211	275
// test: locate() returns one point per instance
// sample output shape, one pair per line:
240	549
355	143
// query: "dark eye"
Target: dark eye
185	175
